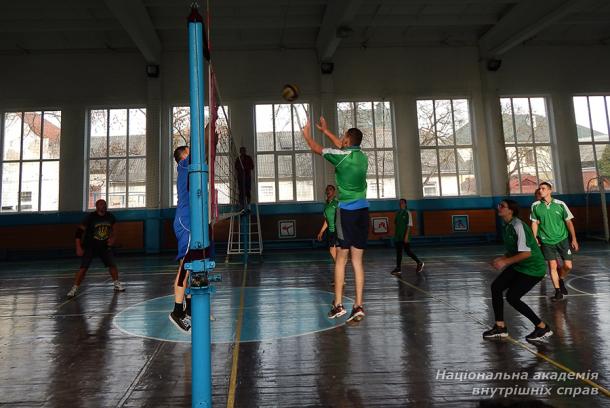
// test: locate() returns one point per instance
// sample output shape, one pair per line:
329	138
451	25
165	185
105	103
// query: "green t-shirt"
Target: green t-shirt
551	219
402	220
330	210
518	237
351	166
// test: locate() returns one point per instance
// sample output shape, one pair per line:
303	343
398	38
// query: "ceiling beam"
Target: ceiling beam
338	13
523	22
134	18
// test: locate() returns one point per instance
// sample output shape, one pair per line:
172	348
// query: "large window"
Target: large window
117	157
284	162
30	161
527	140
446	149
592	118
374	119
223	169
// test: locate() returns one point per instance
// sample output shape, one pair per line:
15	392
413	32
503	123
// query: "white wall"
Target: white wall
76	82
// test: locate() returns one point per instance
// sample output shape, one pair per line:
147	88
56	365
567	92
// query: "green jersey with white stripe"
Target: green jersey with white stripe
518	237
351	165
551	219
330	211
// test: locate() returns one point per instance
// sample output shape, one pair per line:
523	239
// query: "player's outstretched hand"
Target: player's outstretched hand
321	125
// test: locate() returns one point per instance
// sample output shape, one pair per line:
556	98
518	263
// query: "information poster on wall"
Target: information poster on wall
380	225
287	229
460	223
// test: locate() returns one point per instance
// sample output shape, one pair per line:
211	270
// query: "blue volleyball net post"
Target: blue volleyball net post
199	282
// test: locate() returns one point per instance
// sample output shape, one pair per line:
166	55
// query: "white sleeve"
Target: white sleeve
410	224
569	215
521	238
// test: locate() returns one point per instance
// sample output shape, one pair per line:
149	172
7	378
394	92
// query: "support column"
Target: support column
72	171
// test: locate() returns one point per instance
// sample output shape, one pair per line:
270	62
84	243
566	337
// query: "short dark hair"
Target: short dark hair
546	183
513	206
331	186
355	136
178	153
403	199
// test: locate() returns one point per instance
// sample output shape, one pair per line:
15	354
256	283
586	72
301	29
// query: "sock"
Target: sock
178	309
188	306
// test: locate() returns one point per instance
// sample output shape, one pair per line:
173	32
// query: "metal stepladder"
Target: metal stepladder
245	233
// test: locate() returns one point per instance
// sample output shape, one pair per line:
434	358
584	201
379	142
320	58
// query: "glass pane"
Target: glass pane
449	185
30	177
372	159
285	173
300	114
286	189
50	186
174	187
264	128
468	184
99	131
345	117
527	164
467	177
283	127
223	144
97	181
447	161
587	163
304	190
444	122
383	125
32	131
371	188
387	187
545	164
523	120
304	163
10	187
181	126
512	169
12	137
507	120
118	133
581	113
425	123
461	117
385	170
603	159
540	120
364	122
429	168
137	183
51	135
137	132
599	118
265	165
117	178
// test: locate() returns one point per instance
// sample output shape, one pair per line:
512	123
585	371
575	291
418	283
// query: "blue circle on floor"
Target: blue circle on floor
268	314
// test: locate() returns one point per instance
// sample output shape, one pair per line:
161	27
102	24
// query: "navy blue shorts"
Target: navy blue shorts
352	228
331	239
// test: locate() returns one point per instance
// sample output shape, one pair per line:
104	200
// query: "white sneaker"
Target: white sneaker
118	286
72	292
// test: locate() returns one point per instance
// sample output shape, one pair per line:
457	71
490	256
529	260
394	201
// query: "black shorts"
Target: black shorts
559	250
102	251
352	228
331	239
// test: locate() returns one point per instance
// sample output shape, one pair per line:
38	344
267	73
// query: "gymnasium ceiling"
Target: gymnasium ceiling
154	26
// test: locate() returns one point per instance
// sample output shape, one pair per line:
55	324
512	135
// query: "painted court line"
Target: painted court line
240	318
603	390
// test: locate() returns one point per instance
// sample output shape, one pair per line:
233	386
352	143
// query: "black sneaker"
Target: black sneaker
557	296
562	287
396	271
539	334
420	267
496	332
357	314
336	311
183	323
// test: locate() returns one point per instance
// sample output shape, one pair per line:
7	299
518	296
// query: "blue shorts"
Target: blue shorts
352	227
182	231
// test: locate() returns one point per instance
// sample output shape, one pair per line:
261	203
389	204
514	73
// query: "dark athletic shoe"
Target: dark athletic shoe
558	296
336	311
562	287
539	334
420	267
357	314
496	332
396	271
183	323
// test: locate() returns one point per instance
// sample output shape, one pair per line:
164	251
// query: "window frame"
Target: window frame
454	147
107	157
20	161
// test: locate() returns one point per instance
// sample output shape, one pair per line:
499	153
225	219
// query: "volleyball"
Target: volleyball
290	92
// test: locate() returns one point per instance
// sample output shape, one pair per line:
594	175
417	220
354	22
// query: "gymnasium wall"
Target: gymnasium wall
76	82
